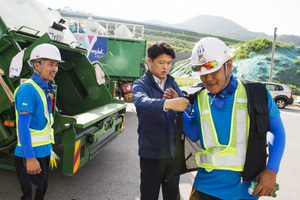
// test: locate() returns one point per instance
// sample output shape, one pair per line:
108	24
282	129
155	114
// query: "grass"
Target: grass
186	81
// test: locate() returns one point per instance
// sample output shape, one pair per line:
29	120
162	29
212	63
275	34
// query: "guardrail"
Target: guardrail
105	28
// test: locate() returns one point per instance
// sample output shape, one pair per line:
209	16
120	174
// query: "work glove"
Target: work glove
53	159
253	186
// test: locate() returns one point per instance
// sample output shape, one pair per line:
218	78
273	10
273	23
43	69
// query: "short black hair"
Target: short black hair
158	48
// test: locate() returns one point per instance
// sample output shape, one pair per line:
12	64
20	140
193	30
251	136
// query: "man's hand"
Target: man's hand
170	93
33	166
177	104
266	183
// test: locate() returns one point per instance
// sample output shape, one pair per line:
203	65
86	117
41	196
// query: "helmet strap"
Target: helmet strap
42	64
35	70
227	76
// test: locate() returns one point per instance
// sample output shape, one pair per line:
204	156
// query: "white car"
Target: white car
297	101
281	94
186	90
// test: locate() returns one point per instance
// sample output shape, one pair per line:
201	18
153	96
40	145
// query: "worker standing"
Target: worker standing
34	122
156	125
231	119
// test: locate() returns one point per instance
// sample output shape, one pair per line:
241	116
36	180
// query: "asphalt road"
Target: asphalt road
114	173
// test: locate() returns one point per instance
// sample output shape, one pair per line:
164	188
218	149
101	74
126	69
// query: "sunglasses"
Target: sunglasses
208	66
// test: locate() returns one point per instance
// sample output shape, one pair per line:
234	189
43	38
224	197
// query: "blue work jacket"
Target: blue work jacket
155	126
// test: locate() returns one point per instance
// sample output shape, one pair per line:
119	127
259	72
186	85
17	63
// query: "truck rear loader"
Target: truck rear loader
123	40
87	117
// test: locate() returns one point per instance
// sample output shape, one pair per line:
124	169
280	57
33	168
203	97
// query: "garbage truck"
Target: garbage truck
124	41
87	116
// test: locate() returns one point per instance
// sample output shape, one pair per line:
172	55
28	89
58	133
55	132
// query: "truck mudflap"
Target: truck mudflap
91	132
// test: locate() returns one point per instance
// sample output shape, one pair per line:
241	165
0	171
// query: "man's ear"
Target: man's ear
229	65
37	66
149	60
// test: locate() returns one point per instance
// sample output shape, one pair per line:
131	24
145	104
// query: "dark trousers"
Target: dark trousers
152	177
197	195
32	186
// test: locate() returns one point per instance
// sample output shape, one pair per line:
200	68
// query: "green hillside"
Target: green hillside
252	61
180	40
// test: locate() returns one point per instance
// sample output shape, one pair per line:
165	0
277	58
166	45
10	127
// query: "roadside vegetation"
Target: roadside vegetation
184	41
261	45
286	70
180	40
186	81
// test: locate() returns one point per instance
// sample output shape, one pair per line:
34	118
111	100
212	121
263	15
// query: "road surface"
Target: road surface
114	173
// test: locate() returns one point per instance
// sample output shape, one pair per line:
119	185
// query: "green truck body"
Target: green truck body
87	117
124	41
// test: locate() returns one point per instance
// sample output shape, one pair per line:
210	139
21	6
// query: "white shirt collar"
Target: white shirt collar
160	84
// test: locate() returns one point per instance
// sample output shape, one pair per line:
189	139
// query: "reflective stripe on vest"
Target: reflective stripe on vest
226	157
39	137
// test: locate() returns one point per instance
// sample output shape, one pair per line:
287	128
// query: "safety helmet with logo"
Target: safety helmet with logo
208	55
45	51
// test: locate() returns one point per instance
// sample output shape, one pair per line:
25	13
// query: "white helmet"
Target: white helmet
45	51
211	51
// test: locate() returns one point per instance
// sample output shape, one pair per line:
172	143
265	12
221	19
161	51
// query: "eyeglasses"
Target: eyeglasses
208	66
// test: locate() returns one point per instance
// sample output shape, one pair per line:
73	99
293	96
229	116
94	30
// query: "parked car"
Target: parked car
281	94
297	101
186	90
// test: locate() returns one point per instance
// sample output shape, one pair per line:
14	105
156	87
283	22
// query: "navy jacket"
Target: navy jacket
156	127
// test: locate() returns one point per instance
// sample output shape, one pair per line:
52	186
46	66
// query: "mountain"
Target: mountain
289	38
220	26
158	22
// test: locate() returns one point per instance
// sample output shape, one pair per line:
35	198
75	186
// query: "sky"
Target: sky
254	15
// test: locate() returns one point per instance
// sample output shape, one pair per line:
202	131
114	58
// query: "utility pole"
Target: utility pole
273	50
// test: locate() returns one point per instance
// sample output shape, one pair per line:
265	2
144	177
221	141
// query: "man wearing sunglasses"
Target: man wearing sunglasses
231	119
156	127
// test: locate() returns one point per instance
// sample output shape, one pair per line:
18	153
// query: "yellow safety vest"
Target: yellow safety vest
224	157
39	137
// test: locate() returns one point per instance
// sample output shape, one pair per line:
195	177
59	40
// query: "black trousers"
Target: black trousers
152	177
197	195
32	186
